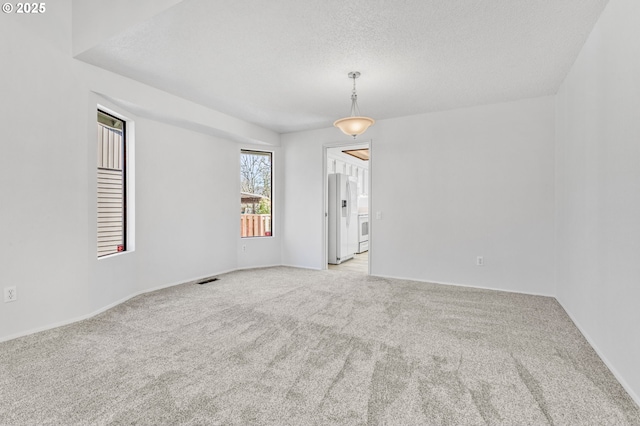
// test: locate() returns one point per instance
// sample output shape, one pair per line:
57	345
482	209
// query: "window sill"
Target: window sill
111	256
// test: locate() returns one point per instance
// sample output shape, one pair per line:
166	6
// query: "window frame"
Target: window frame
271	155
125	181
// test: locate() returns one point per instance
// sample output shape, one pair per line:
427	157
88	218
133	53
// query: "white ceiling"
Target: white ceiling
283	64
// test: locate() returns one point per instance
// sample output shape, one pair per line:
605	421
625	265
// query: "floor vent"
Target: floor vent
208	280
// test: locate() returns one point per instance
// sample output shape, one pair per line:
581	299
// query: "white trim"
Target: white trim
370	206
463	285
121	253
105	308
244	268
591	342
350	159
325	200
309	268
130	177
274	209
604	359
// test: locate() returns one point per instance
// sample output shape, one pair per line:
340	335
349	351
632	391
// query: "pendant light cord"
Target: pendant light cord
355	110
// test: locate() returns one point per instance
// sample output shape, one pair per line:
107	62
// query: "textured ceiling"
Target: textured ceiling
283	64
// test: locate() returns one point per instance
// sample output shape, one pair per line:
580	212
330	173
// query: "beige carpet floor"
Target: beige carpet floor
297	347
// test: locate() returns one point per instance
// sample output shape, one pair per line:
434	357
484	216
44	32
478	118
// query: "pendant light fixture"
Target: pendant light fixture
355	124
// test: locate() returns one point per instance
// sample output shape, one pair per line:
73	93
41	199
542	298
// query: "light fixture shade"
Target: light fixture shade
354	126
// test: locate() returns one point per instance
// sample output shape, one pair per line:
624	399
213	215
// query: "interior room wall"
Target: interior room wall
597	181
184	204
455	185
42	171
303	213
186	213
450	186
43	190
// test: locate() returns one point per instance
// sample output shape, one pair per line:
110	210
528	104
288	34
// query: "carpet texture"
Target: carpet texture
297	347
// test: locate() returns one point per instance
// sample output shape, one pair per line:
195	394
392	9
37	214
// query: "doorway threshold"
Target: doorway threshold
359	263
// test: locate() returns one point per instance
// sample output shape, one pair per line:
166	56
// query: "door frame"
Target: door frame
325	195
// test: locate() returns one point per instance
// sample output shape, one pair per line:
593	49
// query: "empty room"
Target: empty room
320	212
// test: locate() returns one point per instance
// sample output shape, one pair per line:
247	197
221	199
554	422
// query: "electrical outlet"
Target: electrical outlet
244	248
10	294
480	261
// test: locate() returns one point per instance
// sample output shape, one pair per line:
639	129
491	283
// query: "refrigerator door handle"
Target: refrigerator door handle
348	202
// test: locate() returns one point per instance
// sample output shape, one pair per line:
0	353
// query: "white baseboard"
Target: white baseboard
462	285
593	344
116	303
104	308
604	359
302	267
244	268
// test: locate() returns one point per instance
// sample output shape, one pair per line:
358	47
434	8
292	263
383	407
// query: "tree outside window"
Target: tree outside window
255	193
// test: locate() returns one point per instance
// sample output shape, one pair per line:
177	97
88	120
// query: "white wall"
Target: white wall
43	188
450	186
303	214
459	184
184	204
186	183
597	187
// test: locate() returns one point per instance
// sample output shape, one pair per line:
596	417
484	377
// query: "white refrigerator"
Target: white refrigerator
342	217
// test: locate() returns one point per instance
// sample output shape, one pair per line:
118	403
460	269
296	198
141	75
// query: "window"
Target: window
112	206
256	203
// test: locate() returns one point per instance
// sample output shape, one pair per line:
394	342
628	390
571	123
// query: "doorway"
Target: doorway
347	181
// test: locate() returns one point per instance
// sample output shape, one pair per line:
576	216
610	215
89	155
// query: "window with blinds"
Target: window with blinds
111	185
